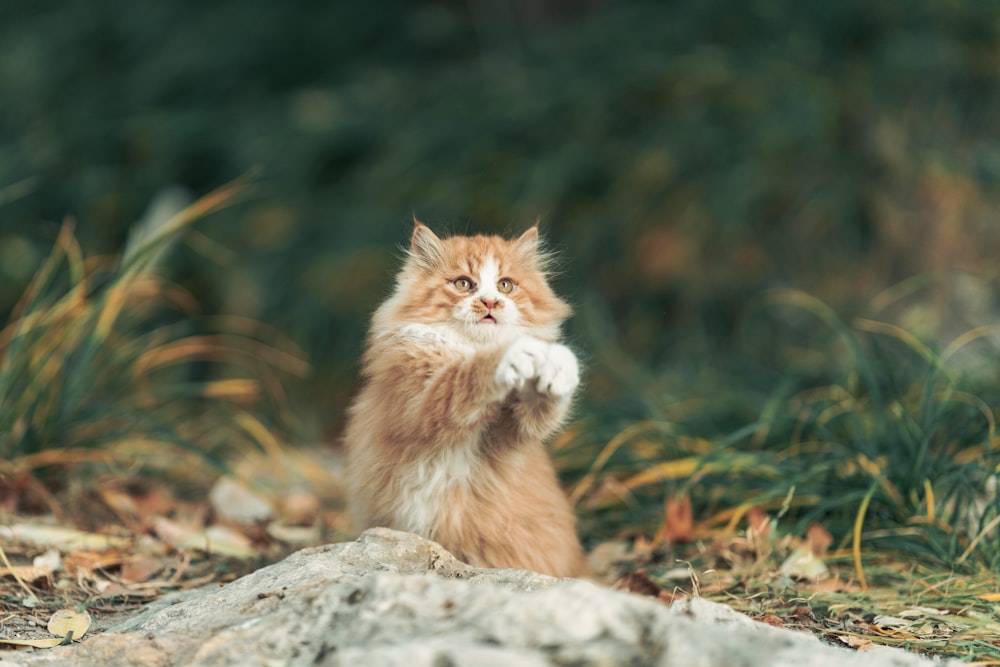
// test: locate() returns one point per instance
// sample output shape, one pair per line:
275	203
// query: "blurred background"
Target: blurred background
686	159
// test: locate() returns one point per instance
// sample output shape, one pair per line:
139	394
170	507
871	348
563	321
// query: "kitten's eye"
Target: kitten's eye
462	284
506	285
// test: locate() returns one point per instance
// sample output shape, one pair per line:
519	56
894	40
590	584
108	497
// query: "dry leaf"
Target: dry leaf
225	541
88	561
831	585
855	642
678	521
916	612
759	531
27	573
51	559
214	539
772	620
757	520
300	508
819	539
639	582
61	538
233	501
66	624
299	535
111	589
173	532
139	568
802	563
891	622
69	623
48	642
602	558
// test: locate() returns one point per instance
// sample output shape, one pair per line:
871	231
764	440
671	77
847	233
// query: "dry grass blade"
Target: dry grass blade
83	369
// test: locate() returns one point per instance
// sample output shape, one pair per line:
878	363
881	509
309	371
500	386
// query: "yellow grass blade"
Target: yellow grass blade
859	522
899	333
238	389
607	452
260	433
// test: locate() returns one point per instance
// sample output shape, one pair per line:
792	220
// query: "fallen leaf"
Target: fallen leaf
819	539
69	623
802	563
601	559
28	573
87	562
300	535
803	614
214	539
638	582
772	620
855	642
678	521
66	624
891	622
139	568
51	559
759	531
916	612
225	541
61	538
176	533
757	520
830	585
233	501
111	589
48	642
300	508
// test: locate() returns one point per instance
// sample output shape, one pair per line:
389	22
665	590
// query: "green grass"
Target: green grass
882	433
887	437
99	365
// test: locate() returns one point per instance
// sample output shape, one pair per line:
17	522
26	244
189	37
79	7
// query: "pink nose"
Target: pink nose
489	303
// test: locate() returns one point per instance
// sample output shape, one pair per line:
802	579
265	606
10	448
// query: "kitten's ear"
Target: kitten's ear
425	247
528	242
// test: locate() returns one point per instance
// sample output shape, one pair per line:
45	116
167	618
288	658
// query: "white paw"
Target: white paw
552	367
559	375
520	363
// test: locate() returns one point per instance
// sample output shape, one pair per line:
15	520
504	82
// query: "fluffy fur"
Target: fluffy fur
464	380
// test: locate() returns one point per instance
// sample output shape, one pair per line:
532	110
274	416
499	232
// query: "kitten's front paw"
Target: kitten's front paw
520	363
551	366
559	375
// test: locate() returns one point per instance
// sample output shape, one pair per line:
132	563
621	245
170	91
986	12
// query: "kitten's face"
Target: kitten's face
484	287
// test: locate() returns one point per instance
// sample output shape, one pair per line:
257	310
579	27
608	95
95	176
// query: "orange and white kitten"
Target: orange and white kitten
464	380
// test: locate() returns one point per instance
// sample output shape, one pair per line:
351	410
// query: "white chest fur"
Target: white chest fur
426	483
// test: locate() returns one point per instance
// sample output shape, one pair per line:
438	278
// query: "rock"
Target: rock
395	600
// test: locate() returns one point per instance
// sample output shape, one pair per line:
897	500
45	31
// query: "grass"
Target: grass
675	170
886	437
100	367
883	437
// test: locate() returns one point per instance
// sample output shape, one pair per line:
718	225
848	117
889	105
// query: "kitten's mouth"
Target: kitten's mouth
488	319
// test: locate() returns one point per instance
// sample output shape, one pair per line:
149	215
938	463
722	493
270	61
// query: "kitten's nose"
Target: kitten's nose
489	303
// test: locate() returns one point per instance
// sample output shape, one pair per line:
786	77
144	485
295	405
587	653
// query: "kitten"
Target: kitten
463	383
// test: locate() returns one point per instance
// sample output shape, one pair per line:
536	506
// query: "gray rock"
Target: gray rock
395	600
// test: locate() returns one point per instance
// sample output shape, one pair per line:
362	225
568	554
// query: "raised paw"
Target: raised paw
520	363
559	374
551	367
